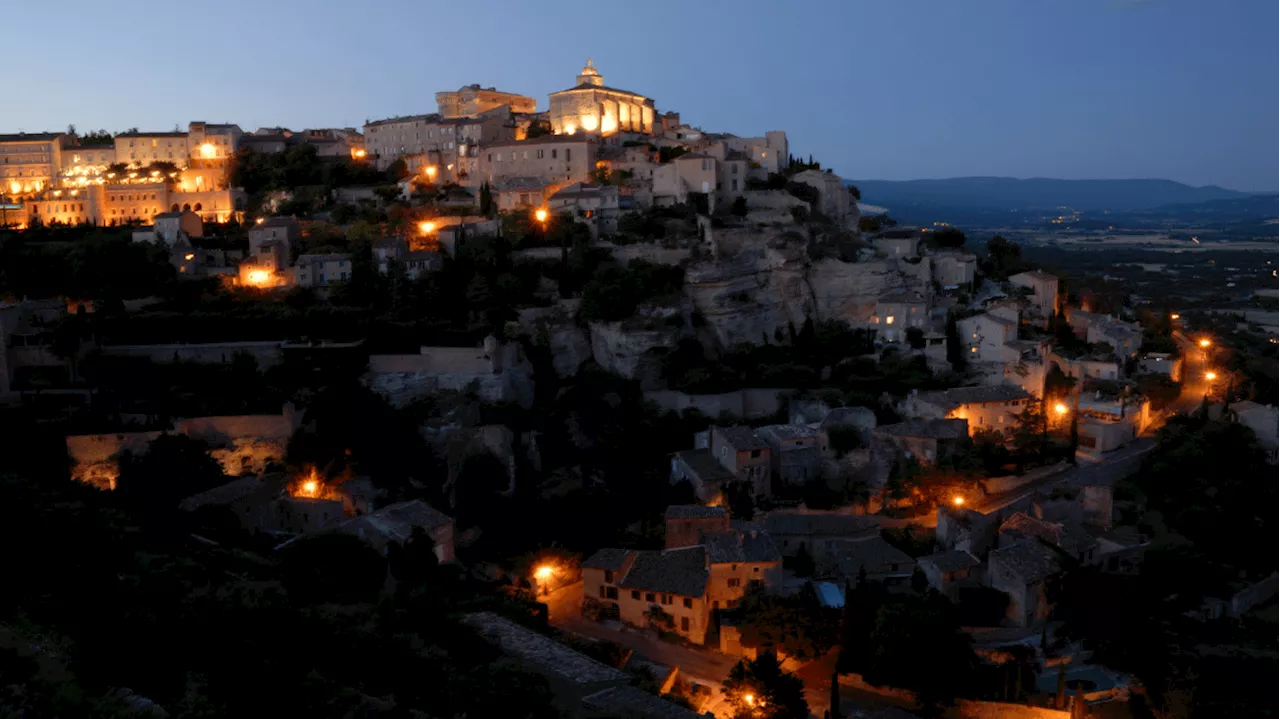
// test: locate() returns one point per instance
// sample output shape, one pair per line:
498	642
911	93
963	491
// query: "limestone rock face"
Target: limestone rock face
634	348
556	329
848	290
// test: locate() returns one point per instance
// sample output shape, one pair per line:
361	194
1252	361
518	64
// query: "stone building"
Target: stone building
984	337
743	455
989	407
686	523
1044	291
323	270
596	206
552	160
592	108
818	533
833	197
29	162
473	100
675	181
896	312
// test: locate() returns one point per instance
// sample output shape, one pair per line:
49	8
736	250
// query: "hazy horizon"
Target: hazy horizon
1093	90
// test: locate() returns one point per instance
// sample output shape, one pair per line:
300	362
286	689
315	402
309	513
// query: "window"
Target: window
635	594
684	624
688	603
649	596
611	593
553	154
733	184
734	581
734	171
540	154
608	576
755	570
568	154
667	600
755	454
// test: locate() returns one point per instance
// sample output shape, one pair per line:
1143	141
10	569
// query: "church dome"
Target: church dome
590	75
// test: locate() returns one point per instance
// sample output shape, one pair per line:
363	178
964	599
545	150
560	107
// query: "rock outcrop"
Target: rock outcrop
634	348
556	328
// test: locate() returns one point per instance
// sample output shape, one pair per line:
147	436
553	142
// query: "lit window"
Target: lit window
888	320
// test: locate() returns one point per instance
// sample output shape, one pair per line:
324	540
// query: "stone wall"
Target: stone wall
242	444
745	403
556	328
267	354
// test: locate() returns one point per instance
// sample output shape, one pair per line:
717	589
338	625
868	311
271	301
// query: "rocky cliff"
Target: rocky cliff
556	328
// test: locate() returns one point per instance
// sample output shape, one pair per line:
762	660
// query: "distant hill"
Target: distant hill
1011	194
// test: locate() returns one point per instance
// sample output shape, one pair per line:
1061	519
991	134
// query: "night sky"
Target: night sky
886	89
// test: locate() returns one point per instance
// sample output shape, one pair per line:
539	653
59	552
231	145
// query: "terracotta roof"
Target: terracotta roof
673	571
609	558
951	561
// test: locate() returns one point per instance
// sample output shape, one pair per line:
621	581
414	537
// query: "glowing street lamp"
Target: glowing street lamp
426	228
1204	343
750	699
544	572
540	215
1175	316
1060	408
1211	375
958	500
431	172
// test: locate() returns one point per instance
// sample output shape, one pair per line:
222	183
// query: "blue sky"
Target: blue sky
876	89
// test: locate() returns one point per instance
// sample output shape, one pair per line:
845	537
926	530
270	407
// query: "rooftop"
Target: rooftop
828	524
1029	560
628	702
871	553
740	547
395	522
30	137
589	86
741	437
542	652
951	561
702	463
432	117
222	494
782	432
673	571
610	558
952	398
932	428
695	511
1036	275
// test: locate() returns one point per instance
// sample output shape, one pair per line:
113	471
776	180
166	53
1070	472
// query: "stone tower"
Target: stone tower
590	76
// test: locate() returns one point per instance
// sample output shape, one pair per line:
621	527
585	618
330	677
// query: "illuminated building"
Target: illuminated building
589	107
550	159
473	100
450	144
143	148
29	162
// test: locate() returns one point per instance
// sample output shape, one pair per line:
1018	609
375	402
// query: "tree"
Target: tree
333	567
855	193
949	237
918	645
760	689
739	206
486	200
175	466
915	338
956	354
796	626
802	564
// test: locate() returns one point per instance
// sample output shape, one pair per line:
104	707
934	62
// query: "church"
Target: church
591	108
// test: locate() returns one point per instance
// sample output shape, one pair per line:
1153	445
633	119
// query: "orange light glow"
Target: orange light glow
1205	343
540	215
750	699
1060	408
431	172
358	154
259	278
1175	316
309	486
188	257
1211	376
957	500
426	228
260	220
544	572
207	151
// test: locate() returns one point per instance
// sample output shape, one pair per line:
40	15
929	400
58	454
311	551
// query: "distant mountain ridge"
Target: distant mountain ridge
1012	194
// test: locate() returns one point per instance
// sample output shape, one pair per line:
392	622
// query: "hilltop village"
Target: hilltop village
626	417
